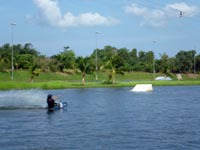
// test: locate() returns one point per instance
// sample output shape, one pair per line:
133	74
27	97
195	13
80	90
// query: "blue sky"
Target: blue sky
52	24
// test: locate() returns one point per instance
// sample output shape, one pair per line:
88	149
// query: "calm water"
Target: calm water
102	119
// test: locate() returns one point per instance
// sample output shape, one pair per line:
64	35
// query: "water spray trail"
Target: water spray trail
22	99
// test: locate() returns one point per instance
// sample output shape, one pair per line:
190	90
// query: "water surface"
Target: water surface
102	119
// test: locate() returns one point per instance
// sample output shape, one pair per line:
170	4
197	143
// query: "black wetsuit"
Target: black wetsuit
51	103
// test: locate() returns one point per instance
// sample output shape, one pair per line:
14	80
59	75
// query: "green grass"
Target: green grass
51	80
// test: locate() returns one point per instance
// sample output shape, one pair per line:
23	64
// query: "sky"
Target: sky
166	26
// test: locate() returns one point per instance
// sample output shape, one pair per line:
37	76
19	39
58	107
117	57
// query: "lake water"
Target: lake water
102	119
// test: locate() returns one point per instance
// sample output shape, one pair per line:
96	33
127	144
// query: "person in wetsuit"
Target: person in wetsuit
51	102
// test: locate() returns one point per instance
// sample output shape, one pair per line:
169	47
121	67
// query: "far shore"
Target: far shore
9	85
56	80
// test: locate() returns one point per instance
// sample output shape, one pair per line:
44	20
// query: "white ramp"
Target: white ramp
179	77
142	88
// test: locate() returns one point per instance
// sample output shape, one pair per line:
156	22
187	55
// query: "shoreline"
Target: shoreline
14	85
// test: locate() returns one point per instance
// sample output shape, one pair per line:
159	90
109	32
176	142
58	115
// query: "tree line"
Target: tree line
116	60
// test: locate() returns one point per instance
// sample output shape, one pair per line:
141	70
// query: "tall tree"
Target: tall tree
197	62
66	59
83	65
133	59
165	64
185	60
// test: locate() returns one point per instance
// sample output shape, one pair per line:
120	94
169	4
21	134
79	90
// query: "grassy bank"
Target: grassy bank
61	84
60	81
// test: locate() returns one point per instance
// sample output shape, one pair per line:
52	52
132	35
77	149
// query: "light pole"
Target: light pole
194	60
154	42
194	64
12	35
96	34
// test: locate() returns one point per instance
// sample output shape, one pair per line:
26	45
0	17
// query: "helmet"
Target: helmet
49	96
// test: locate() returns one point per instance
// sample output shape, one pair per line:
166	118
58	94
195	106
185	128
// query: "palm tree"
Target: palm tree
113	64
83	65
34	72
111	76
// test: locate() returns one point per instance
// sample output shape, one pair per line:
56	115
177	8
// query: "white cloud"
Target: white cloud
189	11
159	17
50	13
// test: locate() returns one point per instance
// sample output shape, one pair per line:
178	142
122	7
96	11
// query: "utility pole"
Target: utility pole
12	36
154	42
194	60
96	34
